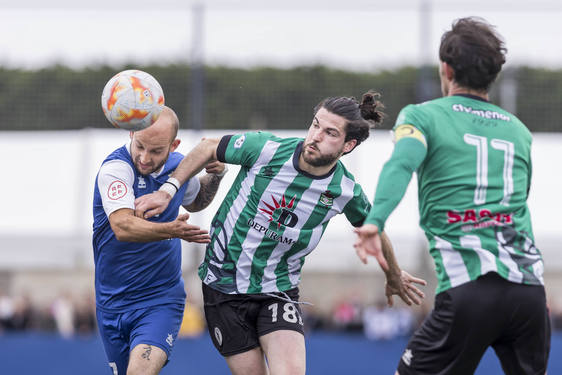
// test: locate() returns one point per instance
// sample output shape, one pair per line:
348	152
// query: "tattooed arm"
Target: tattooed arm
209	186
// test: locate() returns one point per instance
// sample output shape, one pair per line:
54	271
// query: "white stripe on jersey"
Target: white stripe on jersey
487	259
452	262
294	263
504	255
246	187
253	238
308	199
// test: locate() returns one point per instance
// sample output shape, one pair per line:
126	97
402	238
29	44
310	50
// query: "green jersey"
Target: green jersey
273	215
473	188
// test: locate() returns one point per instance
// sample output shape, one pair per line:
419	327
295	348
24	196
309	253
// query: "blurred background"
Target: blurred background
230	66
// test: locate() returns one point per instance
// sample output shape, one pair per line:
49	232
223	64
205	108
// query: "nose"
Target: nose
144	157
317	135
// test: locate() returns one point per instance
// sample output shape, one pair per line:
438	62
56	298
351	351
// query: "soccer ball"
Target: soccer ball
132	100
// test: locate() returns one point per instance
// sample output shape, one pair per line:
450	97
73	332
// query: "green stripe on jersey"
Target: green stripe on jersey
271	215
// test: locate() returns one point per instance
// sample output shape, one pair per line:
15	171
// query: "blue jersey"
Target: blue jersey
132	275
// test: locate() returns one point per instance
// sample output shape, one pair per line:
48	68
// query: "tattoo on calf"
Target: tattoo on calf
147	351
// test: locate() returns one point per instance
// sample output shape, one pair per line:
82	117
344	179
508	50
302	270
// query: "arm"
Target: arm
395	176
399	282
153	204
128	227
209	184
408	155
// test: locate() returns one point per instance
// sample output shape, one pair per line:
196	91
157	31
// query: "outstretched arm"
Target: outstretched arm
399	282
155	203
128	227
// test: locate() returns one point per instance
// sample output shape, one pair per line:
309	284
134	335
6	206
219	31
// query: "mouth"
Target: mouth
312	147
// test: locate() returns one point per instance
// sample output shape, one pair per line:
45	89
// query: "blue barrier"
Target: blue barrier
327	354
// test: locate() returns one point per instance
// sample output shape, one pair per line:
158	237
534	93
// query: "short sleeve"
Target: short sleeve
357	209
115	184
242	149
191	192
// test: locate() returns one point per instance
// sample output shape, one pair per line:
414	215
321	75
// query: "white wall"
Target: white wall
47	185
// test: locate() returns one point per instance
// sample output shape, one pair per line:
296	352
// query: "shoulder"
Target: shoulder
116	168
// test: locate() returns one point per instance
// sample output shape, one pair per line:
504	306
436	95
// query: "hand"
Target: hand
403	286
215	167
369	243
187	232
149	205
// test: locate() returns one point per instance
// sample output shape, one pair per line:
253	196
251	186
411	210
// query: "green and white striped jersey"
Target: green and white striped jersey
273	215
473	188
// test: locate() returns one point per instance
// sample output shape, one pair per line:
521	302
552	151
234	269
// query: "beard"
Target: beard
151	169
320	160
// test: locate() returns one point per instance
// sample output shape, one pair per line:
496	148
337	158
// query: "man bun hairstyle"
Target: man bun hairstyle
360	117
475	51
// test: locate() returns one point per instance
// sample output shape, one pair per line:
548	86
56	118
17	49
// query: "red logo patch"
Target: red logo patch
117	189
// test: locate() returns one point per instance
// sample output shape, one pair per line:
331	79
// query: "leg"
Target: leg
524	346
114	342
146	360
285	352
153	334
251	362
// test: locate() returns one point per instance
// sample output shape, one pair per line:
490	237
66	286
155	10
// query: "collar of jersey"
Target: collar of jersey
475	97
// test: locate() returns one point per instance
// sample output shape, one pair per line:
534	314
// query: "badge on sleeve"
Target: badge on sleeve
116	190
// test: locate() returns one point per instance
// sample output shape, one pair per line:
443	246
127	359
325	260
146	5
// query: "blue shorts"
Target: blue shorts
122	331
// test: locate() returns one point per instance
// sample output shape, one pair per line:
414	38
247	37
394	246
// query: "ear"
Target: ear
349	145
131	134
448	71
175	144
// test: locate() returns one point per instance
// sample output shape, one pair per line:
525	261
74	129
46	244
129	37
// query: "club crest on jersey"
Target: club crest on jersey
142	183
326	198
268	171
239	142
281	212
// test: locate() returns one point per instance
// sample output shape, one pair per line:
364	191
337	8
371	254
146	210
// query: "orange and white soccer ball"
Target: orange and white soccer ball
132	100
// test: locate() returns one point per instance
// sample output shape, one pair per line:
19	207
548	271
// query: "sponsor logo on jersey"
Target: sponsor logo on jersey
281	212
116	190
326	198
473	219
142	183
493	115
239	142
170	339
407	357
270	233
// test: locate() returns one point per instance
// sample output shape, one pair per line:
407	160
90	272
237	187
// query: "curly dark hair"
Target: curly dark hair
360	117
475	51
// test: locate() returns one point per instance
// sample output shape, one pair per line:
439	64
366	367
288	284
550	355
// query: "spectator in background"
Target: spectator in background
380	322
